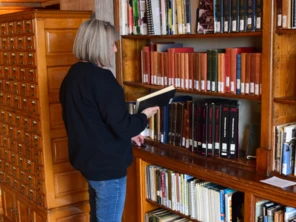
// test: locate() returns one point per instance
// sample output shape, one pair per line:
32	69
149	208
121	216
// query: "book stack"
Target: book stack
195	198
175	17
230	70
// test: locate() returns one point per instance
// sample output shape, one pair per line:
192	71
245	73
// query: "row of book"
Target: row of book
171	17
162	215
208	127
286	14
270	211
193	197
230	70
285	145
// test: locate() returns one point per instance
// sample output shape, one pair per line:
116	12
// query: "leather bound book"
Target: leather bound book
279	14
154	67
233	132
259	16
186	70
243	72
227	70
251	14
191	71
147	61
233	53
159	98
196	72
165	68
224	130
242	15
182	70
179	123
210	148
177	58
235	15
171	62
203	71
221	72
214	83
209	69
257	79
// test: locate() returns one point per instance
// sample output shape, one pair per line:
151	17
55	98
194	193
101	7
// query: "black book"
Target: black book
159	98
224	130
233	132
235	15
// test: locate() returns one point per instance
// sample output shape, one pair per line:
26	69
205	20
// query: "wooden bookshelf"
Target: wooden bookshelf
278	106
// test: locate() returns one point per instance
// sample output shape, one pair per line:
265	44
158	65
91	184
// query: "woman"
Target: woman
97	121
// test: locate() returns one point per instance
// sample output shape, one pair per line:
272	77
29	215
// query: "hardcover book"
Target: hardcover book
158	98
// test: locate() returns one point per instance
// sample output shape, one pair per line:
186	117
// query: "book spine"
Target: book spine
209	69
199	127
210	137
279	14
218	16
259	15
217	130
233	133
136	30
203	71
286	152
224	130
149	18
234	15
227	15
143	18
251	15
242	15
238	74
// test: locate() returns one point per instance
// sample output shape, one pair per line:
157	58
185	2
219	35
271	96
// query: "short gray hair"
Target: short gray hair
94	42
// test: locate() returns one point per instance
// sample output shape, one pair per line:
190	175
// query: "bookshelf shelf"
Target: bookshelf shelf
196	36
177	152
233	96
286	100
170	210
227	175
224	174
285	31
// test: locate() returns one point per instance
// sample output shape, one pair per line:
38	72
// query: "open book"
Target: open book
159	98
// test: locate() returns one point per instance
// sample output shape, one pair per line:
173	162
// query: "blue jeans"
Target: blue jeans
106	199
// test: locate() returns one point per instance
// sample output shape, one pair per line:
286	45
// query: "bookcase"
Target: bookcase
278	106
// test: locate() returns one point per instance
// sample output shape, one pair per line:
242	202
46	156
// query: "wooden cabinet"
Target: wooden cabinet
277	104
36	52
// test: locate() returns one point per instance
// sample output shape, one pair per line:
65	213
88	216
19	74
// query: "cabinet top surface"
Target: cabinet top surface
36	13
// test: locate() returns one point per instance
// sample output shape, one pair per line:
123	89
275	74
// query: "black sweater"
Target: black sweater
97	121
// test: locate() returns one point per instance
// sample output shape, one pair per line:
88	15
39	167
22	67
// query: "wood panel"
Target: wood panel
77	5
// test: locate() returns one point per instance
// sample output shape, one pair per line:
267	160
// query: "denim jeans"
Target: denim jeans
106	199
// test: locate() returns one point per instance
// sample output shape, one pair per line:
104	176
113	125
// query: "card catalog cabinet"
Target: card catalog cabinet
36	52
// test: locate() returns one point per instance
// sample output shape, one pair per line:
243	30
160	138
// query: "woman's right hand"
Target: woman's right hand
150	111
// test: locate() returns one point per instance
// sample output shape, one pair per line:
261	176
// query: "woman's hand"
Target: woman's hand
150	111
139	140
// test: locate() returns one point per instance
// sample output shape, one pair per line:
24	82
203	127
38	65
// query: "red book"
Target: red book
147	61
171	57
221	72
227	70
203	71
248	73
191	70
257	79
233	53
243	72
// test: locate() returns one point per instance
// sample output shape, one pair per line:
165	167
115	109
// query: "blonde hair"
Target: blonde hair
94	42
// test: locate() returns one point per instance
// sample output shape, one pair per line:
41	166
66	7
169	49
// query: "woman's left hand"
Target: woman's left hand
138	139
